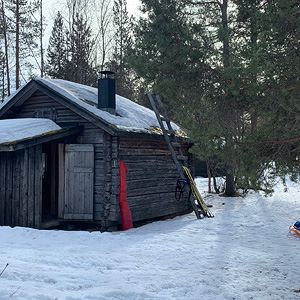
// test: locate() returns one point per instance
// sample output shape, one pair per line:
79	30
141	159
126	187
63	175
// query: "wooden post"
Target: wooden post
16	188
61	180
38	197
2	188
31	172
53	178
8	192
24	189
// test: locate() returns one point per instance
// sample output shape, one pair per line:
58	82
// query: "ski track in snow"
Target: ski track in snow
244	252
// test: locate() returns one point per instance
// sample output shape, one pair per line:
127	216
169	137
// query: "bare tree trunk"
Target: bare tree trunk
226	47
230	186
6	48
217	189
209	175
104	38
41	39
17	45
3	80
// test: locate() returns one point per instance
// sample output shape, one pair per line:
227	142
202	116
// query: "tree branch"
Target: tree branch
4	269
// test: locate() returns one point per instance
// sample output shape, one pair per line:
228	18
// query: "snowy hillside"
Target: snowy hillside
245	252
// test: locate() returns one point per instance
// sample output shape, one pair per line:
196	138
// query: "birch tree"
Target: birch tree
24	31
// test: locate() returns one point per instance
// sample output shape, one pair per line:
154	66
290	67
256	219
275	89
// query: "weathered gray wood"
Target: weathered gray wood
8	190
61	180
2	187
16	189
18	99
52	223
31	187
79	182
114	212
38	187
170	136
152	190
136	183
151	179
53	178
24	190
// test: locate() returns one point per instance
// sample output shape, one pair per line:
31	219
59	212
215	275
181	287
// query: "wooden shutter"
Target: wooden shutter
79	182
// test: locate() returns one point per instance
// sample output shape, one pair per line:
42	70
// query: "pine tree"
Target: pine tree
70	54
279	58
80	64
228	71
177	54
57	50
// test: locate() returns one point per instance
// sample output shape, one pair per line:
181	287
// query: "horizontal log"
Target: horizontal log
151	182
92	131
98	207
66	113
152	169
165	198
91	139
41	105
151	190
155	211
150	172
144	162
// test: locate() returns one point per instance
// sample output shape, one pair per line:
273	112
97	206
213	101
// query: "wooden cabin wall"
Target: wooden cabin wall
105	147
107	175
152	178
151	181
21	187
111	173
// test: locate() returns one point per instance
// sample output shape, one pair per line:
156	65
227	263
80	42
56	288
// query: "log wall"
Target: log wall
42	106
151	179
21	187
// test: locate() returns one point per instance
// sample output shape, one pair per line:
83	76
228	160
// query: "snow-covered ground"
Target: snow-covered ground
245	252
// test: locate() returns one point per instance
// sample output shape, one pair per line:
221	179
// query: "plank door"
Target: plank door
79	182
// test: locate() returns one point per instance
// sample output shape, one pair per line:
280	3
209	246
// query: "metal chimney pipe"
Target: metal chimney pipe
107	92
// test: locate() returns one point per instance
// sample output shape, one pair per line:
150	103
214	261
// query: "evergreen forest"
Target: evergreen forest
227	71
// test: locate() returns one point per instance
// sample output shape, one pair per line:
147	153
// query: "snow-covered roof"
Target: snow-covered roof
130	116
14	130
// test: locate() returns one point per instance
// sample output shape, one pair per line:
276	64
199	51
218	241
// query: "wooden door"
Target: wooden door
79	182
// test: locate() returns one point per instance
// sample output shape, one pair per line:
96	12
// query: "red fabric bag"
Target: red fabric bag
124	206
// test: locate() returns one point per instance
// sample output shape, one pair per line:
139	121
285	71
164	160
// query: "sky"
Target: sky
51	10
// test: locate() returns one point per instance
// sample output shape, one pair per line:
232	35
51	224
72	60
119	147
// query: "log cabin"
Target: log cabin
61	144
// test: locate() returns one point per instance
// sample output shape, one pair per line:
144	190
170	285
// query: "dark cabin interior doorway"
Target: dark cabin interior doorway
50	183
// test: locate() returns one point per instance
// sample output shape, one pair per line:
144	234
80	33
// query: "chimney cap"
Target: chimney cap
106	73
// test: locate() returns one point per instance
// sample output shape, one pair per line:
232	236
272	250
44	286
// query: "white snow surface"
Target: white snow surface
130	115
245	252
17	129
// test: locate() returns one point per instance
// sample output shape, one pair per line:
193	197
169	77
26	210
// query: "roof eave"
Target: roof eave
19	98
145	135
40	139
111	129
